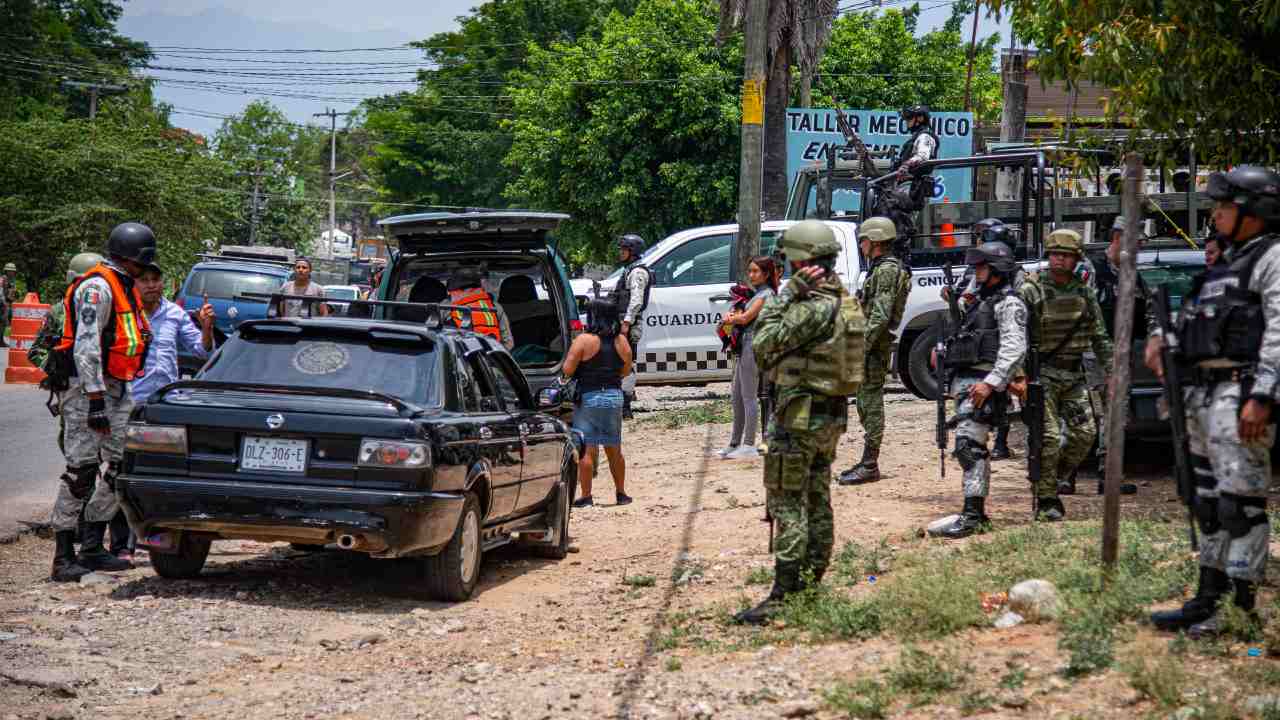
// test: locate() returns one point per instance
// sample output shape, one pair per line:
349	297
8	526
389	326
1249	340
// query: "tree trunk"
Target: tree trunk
777	97
806	89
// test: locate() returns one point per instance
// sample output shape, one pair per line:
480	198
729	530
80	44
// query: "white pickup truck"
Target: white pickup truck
692	275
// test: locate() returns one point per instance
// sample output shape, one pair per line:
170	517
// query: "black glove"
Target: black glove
98	419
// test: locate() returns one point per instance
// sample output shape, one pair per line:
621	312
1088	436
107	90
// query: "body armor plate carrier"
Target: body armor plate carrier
1225	319
833	367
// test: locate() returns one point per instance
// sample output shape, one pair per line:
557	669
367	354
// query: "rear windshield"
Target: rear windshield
1177	277
402	370
227	284
341	293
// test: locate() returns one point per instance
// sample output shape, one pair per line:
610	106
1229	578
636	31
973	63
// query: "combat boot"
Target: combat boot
866	471
626	405
972	519
1245	599
786	580
94	556
1050	509
1125	488
1067	485
65	567
1001	449
1212	586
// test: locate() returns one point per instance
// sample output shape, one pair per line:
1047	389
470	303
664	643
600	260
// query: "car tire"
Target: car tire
187	562
922	379
452	573
558	548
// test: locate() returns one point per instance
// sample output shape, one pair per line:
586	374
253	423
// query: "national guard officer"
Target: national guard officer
923	143
883	298
633	299
982	355
1067	322
1229	328
811	341
106	334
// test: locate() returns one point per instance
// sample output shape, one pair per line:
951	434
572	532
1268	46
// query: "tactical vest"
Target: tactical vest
127	334
977	343
909	147
832	367
622	291
1225	320
898	284
484	319
1064	330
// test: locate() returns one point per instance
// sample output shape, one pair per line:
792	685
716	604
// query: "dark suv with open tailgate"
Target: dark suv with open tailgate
389	438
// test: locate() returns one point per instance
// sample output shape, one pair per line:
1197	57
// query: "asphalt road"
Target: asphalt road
29	459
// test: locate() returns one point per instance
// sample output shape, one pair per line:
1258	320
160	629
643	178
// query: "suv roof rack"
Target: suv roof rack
435	311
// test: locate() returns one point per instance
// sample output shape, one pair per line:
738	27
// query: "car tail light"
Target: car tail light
163	439
394	453
576	327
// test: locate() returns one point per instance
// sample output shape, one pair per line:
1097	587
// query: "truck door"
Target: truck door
690	296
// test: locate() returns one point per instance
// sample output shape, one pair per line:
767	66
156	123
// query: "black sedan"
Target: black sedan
393	439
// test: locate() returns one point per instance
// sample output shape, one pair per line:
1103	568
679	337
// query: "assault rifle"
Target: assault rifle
1033	412
852	140
1170	357
945	330
765	395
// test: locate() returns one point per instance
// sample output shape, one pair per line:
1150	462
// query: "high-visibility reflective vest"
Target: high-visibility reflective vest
127	334
484	318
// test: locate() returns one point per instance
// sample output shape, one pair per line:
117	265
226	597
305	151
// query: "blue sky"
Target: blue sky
200	97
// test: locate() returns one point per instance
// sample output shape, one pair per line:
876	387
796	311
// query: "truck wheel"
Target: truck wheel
187	562
451	574
558	547
918	364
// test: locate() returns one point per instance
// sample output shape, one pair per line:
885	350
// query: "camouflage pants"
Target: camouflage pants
634	336
972	433
1231	483
84	447
1069	431
797	477
871	399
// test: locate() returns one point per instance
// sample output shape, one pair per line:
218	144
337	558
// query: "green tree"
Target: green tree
356	191
636	131
442	144
70	182
43	42
1186	69
259	146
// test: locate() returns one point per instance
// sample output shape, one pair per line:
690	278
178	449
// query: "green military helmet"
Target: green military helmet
81	264
1066	241
807	240
10	267
877	230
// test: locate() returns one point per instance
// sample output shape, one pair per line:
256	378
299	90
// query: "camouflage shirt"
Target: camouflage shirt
799	316
884	297
48	336
1040	288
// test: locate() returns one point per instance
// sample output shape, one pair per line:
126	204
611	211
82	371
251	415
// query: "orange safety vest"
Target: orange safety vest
485	319
127	335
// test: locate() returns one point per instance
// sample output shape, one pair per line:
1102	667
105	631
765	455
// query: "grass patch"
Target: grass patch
714	412
1015	678
639	580
1159	676
917	677
925	676
762	575
673	664
854	563
864	699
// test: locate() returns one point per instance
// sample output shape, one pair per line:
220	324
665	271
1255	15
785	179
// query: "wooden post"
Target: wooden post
1013	118
1118	387
973	50
750	173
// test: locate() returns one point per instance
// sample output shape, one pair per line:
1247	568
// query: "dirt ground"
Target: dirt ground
269	632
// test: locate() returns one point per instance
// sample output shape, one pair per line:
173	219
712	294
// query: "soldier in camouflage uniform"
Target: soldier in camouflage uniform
810	340
982	356
107	333
1066	321
883	297
1229	330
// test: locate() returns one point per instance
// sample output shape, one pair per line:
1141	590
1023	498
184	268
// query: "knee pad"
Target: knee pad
1206	512
1203	472
80	481
969	453
1239	514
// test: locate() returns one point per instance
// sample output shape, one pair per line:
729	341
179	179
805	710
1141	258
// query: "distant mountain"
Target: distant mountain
223	28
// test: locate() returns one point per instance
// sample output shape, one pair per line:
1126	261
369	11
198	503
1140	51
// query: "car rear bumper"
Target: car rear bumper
381	522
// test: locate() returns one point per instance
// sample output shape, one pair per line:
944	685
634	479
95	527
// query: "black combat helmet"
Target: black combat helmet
914	111
132	241
995	254
982	225
1255	189
633	243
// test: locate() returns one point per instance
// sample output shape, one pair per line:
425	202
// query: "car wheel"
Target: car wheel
452	573
918	368
187	562
558	547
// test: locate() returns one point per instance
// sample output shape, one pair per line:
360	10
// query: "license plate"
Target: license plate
274	454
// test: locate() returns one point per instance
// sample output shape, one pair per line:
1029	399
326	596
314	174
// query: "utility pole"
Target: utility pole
1013	116
333	172
1118	387
973	50
257	176
751	171
94	89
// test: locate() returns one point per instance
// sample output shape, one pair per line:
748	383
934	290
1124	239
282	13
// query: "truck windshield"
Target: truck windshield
402	370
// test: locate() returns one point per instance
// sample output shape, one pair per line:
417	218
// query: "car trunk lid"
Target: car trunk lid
502	230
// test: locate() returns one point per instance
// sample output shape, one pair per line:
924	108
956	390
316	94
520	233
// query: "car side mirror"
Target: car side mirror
549	398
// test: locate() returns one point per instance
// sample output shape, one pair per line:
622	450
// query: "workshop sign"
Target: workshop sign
812	134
